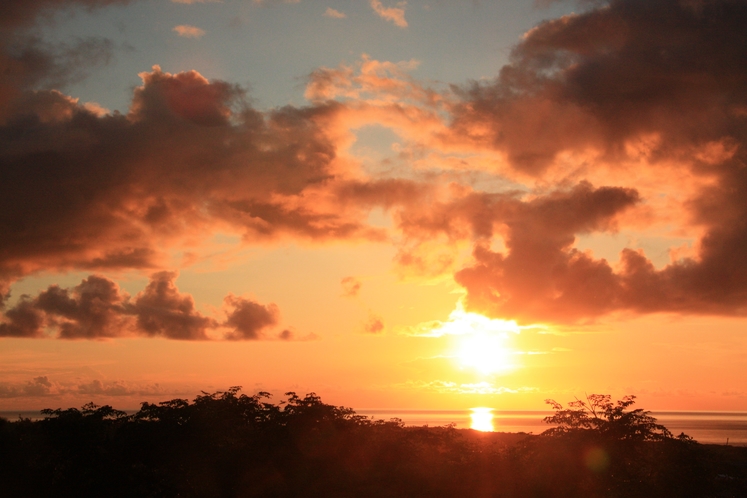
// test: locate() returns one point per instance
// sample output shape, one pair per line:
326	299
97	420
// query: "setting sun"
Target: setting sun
424	206
484	352
480	343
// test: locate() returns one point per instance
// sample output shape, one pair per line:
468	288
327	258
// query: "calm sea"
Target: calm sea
704	427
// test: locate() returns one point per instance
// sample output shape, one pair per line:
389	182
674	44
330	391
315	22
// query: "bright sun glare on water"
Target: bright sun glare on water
482	419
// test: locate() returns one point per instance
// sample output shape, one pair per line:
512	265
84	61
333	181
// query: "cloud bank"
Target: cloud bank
98	309
628	116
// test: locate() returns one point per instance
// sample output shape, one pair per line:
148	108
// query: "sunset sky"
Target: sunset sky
431	204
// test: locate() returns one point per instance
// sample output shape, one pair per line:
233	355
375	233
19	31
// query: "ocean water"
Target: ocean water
704	427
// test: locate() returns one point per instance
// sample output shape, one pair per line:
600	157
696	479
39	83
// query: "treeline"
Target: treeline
228	444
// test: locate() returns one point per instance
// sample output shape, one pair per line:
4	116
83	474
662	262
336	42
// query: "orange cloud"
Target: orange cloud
248	319
623	117
335	14
351	286
374	324
157	191
395	15
187	31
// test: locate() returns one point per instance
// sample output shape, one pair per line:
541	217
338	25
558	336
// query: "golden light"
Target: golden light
482	419
484	352
482	341
478	342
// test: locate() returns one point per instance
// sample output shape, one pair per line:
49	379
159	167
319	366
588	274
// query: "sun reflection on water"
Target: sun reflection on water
482	419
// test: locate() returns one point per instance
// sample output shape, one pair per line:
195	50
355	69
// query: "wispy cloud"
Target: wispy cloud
330	12
351	286
190	2
188	31
393	14
443	386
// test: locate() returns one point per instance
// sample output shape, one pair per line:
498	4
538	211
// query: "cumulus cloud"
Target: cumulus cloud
335	14
646	84
395	15
162	310
187	31
248	319
98	309
37	387
627	116
30	63
157	189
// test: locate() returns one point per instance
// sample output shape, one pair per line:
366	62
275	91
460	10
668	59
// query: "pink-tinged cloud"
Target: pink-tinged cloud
395	15
162	310
335	14
374	324
271	2
190	157
626	116
666	74
98	309
190	2
187	31
36	387
351	286
248	319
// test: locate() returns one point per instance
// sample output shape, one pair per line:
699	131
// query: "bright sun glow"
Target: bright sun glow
483	352
482	419
482	341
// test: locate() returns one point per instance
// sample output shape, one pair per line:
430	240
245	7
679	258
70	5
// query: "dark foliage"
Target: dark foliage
228	444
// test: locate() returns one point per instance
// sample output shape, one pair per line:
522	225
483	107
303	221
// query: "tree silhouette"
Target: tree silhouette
229	444
609	420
